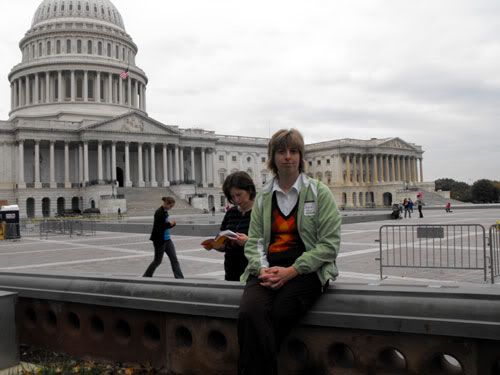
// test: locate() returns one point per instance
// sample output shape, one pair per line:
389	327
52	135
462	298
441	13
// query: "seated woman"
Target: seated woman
239	190
293	242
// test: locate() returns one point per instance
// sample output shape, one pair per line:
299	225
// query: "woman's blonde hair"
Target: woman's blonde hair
283	139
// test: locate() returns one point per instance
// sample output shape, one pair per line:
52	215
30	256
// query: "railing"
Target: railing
189	326
46	228
443	246
494	241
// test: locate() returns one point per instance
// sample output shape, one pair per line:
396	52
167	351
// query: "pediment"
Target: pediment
397	143
134	123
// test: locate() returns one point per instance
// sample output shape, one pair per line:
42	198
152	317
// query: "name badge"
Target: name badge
309	208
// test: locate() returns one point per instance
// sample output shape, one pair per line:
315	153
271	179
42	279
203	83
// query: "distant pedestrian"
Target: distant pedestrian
161	239
447	208
406	207
420	203
410	205
213	210
119	213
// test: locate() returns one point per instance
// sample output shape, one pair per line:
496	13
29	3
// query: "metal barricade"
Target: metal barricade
66	227
494	242
443	246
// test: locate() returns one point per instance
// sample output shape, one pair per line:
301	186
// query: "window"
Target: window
221	157
67	88
263	159
327	161
310	163
79	88
249	159
48	47
39	49
108	51
78	46
68	46
222	177
116	52
233	158
99	48
319	162
89	47
58	46
90	89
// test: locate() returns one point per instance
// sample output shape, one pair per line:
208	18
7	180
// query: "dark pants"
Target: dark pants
420	214
266	317
160	248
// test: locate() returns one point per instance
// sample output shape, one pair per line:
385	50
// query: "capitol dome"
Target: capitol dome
102	10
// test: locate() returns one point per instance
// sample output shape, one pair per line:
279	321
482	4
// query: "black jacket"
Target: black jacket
159	225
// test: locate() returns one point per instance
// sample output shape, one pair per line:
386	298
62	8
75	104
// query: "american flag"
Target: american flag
124	74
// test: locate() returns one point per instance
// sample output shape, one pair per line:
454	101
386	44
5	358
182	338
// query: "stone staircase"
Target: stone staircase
431	198
144	201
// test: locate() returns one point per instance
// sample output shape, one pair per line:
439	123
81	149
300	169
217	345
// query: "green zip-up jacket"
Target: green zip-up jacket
318	221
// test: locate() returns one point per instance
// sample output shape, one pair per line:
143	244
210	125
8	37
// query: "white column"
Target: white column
140	181
73	86
52	179
361	171
80	164
203	168
85	86
85	162
99	162
36	157
60	86
97	93
19	92
355	169
153	166
165	166
37	89
367	167
386	174
375	169
127	182
113	162
193	177
108	162
47	87
20	178
120	89
348	169
129	91
110	88
146	166
171	164
67	183
421	170
176	163
393	169
181	162
404	168
27	92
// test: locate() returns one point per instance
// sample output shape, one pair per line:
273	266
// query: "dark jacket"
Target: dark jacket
160	223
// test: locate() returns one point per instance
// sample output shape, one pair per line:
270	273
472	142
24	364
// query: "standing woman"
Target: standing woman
293	241
239	190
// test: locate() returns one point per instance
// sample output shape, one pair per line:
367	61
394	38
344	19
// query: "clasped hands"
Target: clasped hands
276	277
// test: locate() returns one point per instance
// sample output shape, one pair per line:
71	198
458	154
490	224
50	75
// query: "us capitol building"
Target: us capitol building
79	136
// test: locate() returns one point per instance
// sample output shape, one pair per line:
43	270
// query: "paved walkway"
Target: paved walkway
128	254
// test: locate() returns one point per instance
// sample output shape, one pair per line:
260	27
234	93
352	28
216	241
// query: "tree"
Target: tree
484	191
444	184
461	192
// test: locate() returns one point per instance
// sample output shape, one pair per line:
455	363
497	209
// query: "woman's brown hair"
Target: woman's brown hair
281	140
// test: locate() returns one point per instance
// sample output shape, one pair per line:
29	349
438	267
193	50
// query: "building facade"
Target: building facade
78	128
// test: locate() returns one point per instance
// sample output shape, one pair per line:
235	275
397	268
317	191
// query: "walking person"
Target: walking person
161	239
406	206
293	242
239	190
420	203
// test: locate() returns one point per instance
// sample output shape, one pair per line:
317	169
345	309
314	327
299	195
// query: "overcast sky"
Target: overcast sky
426	71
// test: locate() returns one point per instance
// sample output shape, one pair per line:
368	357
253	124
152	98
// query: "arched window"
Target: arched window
40	49
78	46
68	45
99	48
117	54
90	89
67	88
123	53
75	203
58	46
89	47
30	207
48	47
60	205
46	207
108	50
79	88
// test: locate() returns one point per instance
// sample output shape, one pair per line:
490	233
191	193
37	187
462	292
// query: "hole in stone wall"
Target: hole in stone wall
445	363
151	333
340	355
297	350
30	317
96	326
392	358
183	337
50	322
122	330
217	341
73	321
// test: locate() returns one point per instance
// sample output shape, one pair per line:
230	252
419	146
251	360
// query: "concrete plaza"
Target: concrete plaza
128	254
